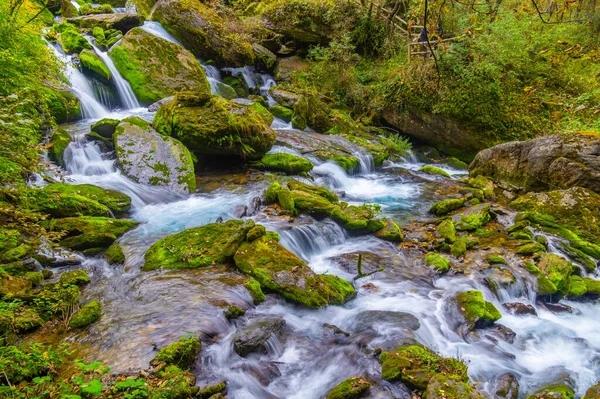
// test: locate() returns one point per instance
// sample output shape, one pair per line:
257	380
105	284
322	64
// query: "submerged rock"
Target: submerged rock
554	392
152	159
157	68
253	338
216	126
518	308
557	161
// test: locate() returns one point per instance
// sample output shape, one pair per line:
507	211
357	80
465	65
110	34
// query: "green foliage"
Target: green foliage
396	144
24	363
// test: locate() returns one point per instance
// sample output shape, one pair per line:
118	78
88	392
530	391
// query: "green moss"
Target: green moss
577	287
459	247
520	225
272	192
558	270
317	190
445	206
472	218
278	270
544	285
60	140
9	239
523	234
114	254
282	112
286	200
592	286
531	249
496	260
93	63
176	384
447	231
483	183
347	162
203	246
91	232
75	277
437	261
287	163
352	388
88	9
70	39
16	253
255	290
391	232
256	232
415	365
180	353
554	392
35	278
456	163
578	256
86	315
432	170
476	311
209	391
233	312
116	201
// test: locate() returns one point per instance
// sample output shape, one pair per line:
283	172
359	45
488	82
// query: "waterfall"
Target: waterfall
267	83
90	107
156	29
312	239
75	4
213	76
246	72
367	164
126	95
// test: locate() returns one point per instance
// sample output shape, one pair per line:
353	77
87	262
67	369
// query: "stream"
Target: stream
146	310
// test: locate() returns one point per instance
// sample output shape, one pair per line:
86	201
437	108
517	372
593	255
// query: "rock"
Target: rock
157	68
507	387
114	254
86	315
287	163
60	140
442	387
93	64
447	231
206	32
415	366
496	260
63	105
116	201
477	312
472	218
212	391
593	392
352	388
203	246
282	112
215	126
75	277
592	286
446	206
105	127
371	262
555	307
391	232
374	319
577	287
518	308
253	338
544	285
279	270
91	233
180	353
233	312
284	97
286	67
71	40
119	21
155	106
459	247
144	6
554	392
558	270
437	261
151	159
264	56
531	249
13	285
432	170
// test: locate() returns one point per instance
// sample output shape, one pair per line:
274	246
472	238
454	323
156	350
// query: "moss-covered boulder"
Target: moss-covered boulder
478	313
63	105
94	65
437	261
352	388
70	39
105	127
558	270
459	247
592	286
544	285
180	353
446	206
433	170
91	233
279	270
216	126
86	315
114	254
75	277
531	249
116	201
391	232
157	68
593	392
287	163
416	365
559	391
214	243
447	231
442	387
207	30
149	158
472	218
60	140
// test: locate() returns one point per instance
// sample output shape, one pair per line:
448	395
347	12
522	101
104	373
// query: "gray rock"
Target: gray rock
253	338
155	106
507	387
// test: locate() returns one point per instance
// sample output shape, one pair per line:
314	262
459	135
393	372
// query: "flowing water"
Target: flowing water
143	310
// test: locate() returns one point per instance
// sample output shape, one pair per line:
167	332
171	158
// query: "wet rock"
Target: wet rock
472	218
60	140
212	391
555	307
371	262
437	261
114	254
253	338
254	206
233	312
86	315
215	126
180	353
593	392
447	231
518	308
554	392
151	159
287	163
372	319
442	387
477	312
91	233
105	127
264	372
155	106
391	232
114	200
352	388
119	21
558	270
336	329
498	331
507	387
557	161
239	211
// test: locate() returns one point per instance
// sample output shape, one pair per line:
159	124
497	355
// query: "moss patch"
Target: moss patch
180	353
86	315
287	163
477	312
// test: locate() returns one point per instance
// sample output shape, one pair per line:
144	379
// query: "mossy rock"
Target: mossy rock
271	195
35	278
593	392
63	105
88	232
116	201
391	232
286	200
255	290
86	315
233	312
522	234
459	247
554	392
212	391
317	190
432	170
114	254
287	163
437	261
279	270
472	218
456	163
483	183
75	277
60	140
447	231
180	353
214	243
71	40
352	388
13	285
94	64
416	365
544	285
446	206
14	254
55	202
477	312
578	256
149	158
157	68
442	387
496	260
282	112
531	249
558	270
105	127
576	286
216	126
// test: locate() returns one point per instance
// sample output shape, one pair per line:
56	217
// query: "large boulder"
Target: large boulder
216	126
149	158
120	21
205	32
552	162
157	68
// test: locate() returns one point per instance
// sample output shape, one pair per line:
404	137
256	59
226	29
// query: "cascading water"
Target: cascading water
213	76
155	28
247	73
126	95
267	83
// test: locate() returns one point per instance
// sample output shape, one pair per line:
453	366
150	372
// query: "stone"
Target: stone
518	308
157	68
472	218
446	206
60	140
507	387
558	270
105	127
442	387
119	21
391	232
437	261
86	315
151	159
352	388
88	232
288	163
180	353
433	170
560	391
94	65
253	338
477	312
